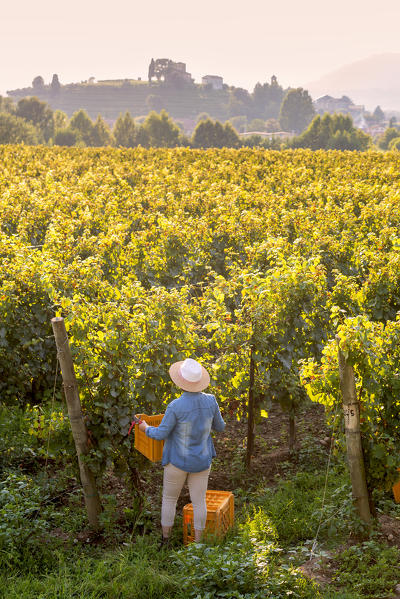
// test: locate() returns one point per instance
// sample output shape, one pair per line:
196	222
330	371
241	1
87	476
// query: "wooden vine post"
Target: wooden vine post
351	410
78	427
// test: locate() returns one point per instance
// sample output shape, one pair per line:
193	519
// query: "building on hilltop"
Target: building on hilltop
344	105
215	81
178	68
332	105
170	71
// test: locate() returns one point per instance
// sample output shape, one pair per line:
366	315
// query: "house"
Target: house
343	105
177	69
215	81
332	105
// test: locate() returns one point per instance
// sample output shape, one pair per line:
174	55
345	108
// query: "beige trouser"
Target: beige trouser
174	479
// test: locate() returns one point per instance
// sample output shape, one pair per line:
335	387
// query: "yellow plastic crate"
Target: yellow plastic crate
220	515
396	490
150	448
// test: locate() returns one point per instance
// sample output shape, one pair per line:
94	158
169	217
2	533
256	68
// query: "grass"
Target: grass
135	572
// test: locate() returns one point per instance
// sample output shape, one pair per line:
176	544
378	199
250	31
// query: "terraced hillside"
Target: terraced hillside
111	98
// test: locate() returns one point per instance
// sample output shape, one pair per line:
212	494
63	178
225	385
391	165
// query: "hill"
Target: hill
371	81
176	93
110	98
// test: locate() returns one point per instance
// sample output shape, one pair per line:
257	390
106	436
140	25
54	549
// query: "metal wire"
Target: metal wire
314	545
52	406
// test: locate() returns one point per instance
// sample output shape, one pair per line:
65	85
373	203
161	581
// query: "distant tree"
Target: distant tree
392	121
267	99
210	134
81	122
386	137
38	83
151	70
37	112
154	102
260	98
7	105
125	131
236	108
101	134
378	114
297	110
142	137
239	123
162	130
203	116
256	125
240	103
15	130
60	120
204	134
272	126
55	85
334	132
230	137
66	137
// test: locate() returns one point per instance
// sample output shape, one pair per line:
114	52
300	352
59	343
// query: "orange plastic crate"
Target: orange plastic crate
220	515
150	448
396	490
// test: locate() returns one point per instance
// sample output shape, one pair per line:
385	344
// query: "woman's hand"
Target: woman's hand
143	425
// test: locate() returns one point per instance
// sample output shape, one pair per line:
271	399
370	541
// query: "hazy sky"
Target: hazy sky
245	41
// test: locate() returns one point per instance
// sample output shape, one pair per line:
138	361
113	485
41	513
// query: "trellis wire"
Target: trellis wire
51	412
314	545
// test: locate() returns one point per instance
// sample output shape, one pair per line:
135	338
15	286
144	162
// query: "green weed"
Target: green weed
294	507
23	524
370	569
241	568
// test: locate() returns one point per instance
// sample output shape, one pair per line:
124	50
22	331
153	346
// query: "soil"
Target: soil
318	569
390	529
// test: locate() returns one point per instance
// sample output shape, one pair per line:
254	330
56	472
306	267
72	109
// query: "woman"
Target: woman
188	449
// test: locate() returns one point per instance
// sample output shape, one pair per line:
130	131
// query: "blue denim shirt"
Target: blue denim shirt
186	428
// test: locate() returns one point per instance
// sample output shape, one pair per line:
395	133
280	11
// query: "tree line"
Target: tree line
33	122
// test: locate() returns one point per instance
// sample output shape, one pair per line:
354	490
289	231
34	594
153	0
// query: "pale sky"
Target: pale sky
244	41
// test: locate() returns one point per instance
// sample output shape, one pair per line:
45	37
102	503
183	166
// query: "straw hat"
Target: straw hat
189	375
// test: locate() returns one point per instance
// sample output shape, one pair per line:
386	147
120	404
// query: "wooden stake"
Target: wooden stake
78	427
351	410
